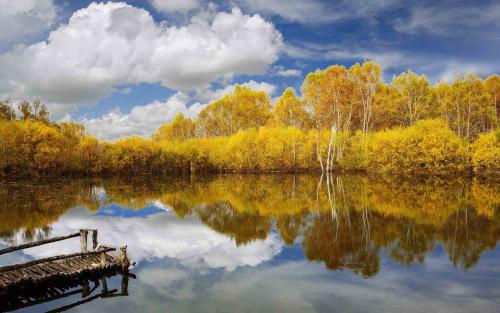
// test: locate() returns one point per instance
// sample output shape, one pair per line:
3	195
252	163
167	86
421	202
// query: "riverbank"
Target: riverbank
429	147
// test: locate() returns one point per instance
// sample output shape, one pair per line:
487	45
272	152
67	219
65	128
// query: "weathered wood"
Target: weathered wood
103	259
125	263
94	239
51	259
83	240
62	266
37	243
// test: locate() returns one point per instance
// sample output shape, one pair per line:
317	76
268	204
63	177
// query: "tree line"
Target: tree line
346	119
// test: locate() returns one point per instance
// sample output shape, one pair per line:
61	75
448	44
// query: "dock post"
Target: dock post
104	285
83	240
124	259
124	285
85	288
94	239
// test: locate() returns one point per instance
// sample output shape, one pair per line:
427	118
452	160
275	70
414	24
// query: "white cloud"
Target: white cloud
450	20
142	120
111	44
284	72
170	6
394	62
318	12
208	95
388	59
22	18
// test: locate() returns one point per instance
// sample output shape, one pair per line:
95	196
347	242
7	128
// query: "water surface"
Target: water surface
272	243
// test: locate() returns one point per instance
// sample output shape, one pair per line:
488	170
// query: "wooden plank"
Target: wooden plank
51	259
37	243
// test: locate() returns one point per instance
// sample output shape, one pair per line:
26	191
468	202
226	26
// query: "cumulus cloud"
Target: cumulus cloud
142	120
22	18
105	45
170	6
159	236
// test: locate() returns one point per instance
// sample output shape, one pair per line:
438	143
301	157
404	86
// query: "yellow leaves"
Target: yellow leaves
486	154
427	147
289	110
180	129
415	97
134	155
468	107
243	109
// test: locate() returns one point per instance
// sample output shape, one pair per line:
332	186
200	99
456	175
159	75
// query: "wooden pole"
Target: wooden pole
124	285
104	285
37	243
94	239
124	259
85	288
83	240
54	258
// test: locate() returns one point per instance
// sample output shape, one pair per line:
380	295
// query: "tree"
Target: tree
34	111
289	110
468	107
243	109
6	111
492	84
415	100
385	107
332	95
179	129
368	78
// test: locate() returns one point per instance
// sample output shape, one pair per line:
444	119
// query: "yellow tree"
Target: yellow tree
492	85
6	111
34	111
385	107
289	110
243	109
468	107
415	100
179	129
332	94
368	77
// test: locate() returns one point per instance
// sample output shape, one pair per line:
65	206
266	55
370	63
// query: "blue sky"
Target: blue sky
125	68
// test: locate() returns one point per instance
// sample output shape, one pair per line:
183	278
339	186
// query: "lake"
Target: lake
271	243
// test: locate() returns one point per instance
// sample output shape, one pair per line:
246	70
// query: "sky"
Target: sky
125	68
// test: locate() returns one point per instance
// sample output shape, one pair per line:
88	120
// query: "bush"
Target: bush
486	154
427	147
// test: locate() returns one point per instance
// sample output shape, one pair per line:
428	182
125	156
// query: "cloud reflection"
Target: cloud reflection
158	236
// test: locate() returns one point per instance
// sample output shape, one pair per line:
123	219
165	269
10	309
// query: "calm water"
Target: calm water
272	243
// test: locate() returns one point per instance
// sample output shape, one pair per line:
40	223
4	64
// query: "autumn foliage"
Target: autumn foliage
346	119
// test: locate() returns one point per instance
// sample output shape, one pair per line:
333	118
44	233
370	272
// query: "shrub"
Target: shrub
429	146
486	154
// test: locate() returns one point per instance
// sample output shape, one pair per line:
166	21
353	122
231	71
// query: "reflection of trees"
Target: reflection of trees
242	227
411	242
345	221
31	206
466	235
341	242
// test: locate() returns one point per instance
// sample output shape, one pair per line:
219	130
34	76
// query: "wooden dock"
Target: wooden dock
60	267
